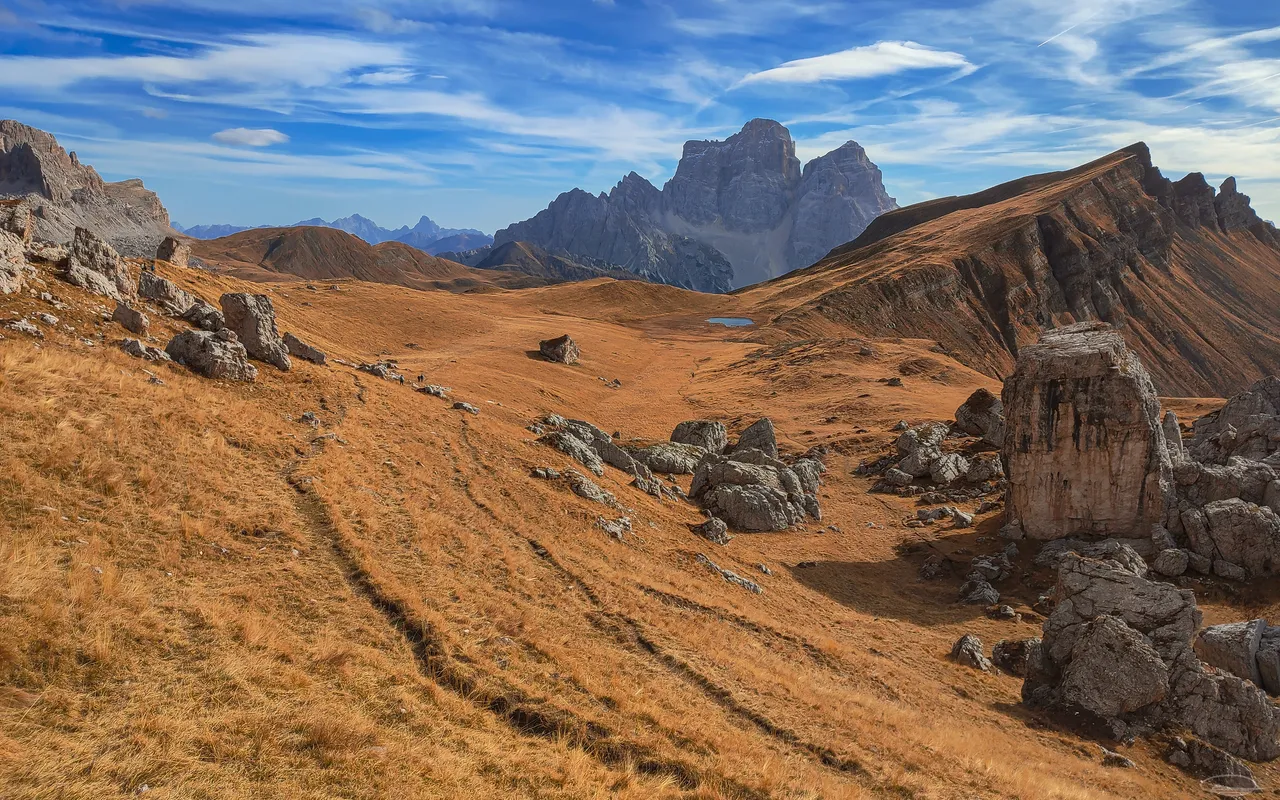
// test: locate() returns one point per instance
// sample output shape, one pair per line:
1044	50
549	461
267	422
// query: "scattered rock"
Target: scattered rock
978	592
131	319
252	317
961	519
1111	758
587	489
467	407
24	326
213	355
1003	612
671	458
934	567
137	349
1171	562
300	349
309	418
751	497
562	350
731	577
93	265
948	468
984	467
704	433
617	528
714	530
968	652
443	393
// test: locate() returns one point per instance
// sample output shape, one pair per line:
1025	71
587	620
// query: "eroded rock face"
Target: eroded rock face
1233	647
66	194
1120	647
131	319
1084	447
92	264
1236	532
253	319
13	263
213	355
562	350
166	294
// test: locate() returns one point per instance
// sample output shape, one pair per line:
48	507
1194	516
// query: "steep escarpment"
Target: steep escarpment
1189	276
66	194
736	212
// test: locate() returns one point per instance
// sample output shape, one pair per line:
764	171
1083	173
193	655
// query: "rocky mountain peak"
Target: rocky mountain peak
68	194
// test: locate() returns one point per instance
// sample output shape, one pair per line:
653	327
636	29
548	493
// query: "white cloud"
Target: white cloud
250	137
299	60
870	61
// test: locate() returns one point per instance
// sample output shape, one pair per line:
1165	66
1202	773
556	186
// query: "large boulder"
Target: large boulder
213	355
131	319
1084	448
1199	484
93	265
759	436
574	448
178	302
1113	670
1233	647
707	434
562	350
253	319
982	415
173	250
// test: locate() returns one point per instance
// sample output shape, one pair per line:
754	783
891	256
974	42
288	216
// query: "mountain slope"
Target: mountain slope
326	254
1189	275
528	259
735	212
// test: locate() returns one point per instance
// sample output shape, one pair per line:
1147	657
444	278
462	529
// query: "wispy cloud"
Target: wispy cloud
250	137
870	61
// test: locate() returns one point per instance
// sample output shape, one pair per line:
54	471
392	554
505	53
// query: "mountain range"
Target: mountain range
426	235
736	212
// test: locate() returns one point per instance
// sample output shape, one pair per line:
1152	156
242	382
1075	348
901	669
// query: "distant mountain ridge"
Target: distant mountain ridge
736	212
424	235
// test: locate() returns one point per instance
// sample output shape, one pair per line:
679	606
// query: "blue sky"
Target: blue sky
478	112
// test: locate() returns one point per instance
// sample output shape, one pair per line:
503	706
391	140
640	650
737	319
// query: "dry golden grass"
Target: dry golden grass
199	597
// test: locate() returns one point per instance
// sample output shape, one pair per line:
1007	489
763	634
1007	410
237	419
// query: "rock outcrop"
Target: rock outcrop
1247	427
300	349
762	494
735	212
253	319
93	265
66	194
982	415
1117	648
1084	447
175	251
213	355
707	434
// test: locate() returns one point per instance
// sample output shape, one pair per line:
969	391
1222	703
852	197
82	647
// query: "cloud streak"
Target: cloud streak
871	61
250	137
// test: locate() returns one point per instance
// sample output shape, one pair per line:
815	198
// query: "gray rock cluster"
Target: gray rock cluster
300	349
1118	649
1249	650
982	415
593	448
177	302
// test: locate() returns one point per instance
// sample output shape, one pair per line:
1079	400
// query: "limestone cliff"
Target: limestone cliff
66	193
